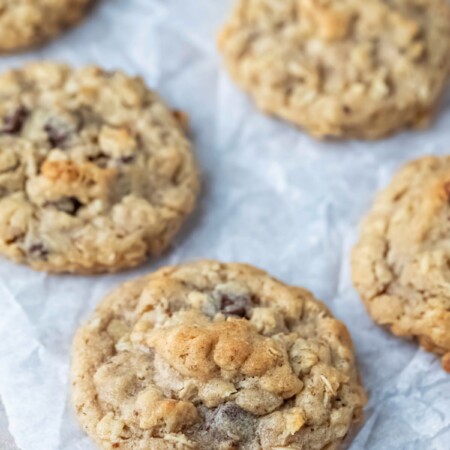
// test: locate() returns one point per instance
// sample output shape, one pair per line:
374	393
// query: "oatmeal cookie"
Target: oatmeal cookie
96	172
401	264
26	23
211	356
341	68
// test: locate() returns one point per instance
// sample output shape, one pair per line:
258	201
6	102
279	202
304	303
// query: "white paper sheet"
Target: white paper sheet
272	197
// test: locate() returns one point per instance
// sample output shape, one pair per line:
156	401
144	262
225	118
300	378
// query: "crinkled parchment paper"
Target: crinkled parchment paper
272	197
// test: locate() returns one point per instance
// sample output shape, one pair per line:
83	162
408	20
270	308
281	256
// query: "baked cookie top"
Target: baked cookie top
25	23
95	171
401	264
341	68
214	356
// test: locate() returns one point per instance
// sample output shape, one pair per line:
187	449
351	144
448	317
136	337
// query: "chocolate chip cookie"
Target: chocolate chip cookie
212	356
25	23
341	68
96	173
401	264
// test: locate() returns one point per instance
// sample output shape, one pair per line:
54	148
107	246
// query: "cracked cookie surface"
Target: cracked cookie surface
401	263
26	23
341	68
213	356
96	173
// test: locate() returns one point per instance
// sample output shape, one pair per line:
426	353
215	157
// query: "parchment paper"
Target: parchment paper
272	197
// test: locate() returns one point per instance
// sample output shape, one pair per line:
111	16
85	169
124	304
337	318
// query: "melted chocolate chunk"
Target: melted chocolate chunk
231	411
61	129
69	205
101	159
13	123
233	421
127	159
235	305
56	137
38	251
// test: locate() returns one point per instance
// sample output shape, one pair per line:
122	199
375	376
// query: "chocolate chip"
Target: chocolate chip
62	128
235	305
69	205
38	251
13	123
231	411
233	421
56	137
127	159
101	159
346	109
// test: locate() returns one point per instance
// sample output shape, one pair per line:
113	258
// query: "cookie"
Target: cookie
341	68
96	173
212	356
26	23
401	263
